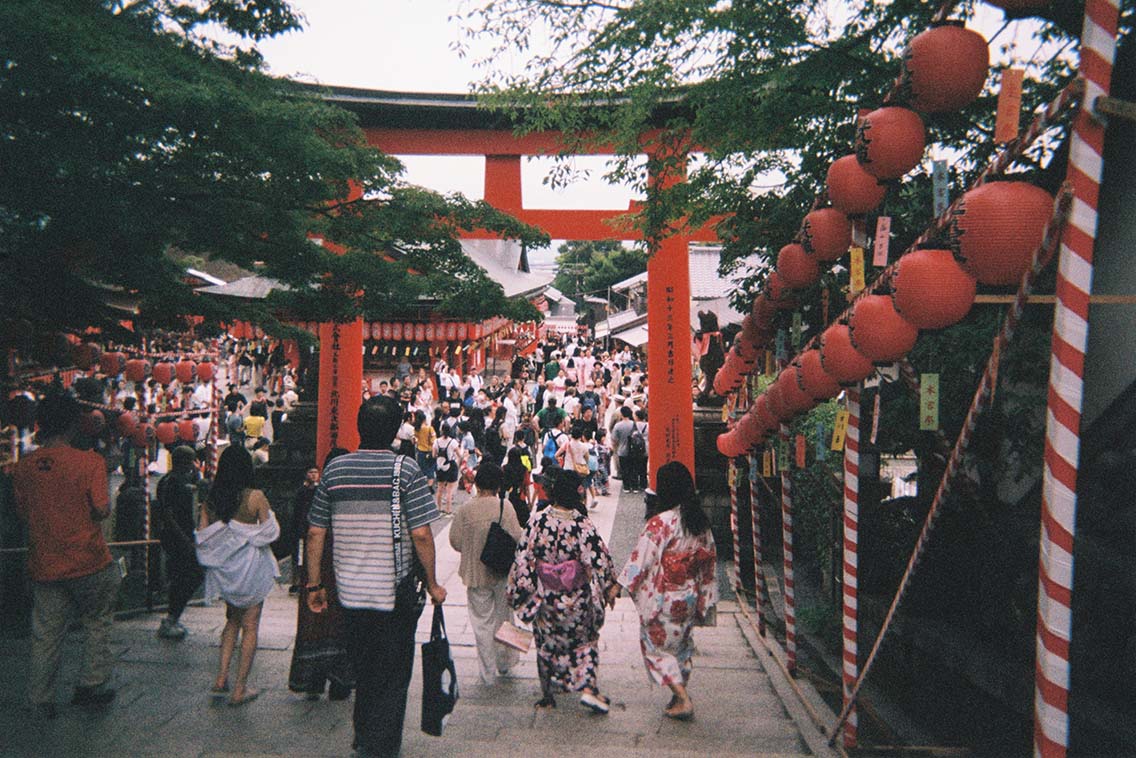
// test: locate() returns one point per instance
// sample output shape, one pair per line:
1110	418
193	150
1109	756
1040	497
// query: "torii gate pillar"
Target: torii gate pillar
670	405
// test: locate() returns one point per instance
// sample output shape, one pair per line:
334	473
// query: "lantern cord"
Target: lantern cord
153	416
1069	97
982	400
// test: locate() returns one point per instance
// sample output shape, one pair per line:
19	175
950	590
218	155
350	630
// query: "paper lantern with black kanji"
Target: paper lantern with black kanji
765	416
827	234
205	371
778	292
112	364
430	332
813	378
396	332
142	435
931	290
727	379
890	141
777	405
756	334
185	370
419	332
163	372
840	359
797	268
729	445
166	432
764	311
126	423
187	430
996	229
944	69
748	430
793	396
878	332
86	355
388	331
851	189
137	370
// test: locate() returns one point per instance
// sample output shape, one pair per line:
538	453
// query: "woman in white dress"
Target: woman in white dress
235	531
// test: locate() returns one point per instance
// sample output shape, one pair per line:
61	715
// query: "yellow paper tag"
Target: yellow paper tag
840	430
857	270
767	463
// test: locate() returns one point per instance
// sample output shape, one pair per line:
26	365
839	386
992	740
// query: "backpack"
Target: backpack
552	443
442	462
636	444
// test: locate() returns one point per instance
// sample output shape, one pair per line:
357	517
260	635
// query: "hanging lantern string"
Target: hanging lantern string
1069	97
982	400
196	412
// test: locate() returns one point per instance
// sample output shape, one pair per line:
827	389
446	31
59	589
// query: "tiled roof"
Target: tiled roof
248	287
504	264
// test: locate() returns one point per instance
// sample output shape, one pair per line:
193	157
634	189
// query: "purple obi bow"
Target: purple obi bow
561	577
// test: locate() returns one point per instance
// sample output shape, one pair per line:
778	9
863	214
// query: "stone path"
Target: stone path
162	708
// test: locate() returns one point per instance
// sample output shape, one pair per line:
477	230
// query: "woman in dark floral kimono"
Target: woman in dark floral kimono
558	584
319	657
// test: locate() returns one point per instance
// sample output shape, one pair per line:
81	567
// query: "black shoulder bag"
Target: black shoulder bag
500	547
410	592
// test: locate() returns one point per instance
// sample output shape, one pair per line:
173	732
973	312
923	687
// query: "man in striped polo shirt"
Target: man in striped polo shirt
353	500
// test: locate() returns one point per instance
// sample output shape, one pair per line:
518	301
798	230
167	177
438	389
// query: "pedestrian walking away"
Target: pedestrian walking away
558	584
671	576
175	517
234	535
370	501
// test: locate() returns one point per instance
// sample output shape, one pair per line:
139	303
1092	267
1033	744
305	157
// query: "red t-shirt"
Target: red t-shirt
56	490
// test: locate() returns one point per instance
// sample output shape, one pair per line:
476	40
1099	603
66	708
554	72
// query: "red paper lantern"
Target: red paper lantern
388	331
126	423
86	355
112	364
797	268
767	419
793	396
185	370
778	292
930	289
878	332
137	370
748	430
890	142
827	234
746	351
851	189
163	372
396	332
375	330
166	432
754	333
944	69
840	359
730	445
451	331
764	311
92	423
431	331
776	404
996	229
813	378
205	371
187	430
408	331
142	435
462	331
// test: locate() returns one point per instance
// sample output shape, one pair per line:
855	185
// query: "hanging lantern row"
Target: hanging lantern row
88	355
991	240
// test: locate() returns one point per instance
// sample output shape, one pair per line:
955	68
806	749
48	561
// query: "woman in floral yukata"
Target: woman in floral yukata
672	578
558	583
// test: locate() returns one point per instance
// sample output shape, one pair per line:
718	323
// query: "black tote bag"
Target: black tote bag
439	678
500	548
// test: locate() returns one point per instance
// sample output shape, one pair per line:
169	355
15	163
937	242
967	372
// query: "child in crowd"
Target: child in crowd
602	455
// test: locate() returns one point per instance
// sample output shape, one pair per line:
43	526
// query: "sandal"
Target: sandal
547	702
219	692
686	714
596	702
249	696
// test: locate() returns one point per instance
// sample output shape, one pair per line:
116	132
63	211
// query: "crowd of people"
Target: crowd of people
536	449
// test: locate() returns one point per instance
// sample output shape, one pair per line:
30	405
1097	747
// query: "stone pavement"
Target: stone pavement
162	707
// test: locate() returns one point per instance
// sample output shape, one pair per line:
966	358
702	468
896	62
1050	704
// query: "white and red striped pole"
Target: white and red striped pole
787	550
732	478
851	665
1066	380
214	433
755	518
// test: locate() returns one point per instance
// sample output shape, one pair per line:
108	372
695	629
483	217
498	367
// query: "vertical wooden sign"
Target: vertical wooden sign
928	402
940	188
856	272
801	459
881	242
840	429
1009	105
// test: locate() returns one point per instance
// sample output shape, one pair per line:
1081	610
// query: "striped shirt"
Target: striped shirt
353	499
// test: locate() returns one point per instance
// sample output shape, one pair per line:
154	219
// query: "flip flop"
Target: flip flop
250	695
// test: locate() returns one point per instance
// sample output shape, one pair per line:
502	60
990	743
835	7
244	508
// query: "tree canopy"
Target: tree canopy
590	267
133	127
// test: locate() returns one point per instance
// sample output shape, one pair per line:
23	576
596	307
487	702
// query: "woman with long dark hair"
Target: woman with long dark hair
672	577
234	535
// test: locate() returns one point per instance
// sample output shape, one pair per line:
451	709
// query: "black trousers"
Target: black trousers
634	472
184	573
381	647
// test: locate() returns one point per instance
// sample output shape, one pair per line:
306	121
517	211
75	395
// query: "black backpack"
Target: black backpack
636	444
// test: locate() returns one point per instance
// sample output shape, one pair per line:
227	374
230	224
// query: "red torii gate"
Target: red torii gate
405	124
